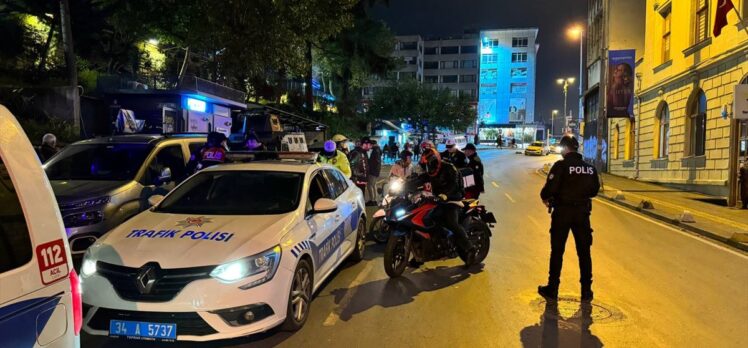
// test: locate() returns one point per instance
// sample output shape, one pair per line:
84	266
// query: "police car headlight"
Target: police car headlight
88	266
265	262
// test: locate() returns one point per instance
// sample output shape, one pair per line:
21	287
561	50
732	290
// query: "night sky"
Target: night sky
558	55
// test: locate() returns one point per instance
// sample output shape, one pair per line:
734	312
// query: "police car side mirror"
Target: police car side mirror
165	176
155	200
324	205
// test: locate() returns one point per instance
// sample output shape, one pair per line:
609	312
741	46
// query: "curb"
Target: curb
672	222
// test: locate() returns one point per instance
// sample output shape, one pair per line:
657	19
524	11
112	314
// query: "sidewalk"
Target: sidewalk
687	210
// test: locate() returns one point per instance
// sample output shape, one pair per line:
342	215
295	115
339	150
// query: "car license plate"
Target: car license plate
143	330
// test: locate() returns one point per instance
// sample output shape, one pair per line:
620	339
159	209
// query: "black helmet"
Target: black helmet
431	162
569	142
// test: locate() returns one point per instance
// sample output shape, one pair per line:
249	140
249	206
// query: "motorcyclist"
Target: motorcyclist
454	155
445	185
331	155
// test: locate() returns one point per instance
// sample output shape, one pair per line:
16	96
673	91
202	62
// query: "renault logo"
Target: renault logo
146	278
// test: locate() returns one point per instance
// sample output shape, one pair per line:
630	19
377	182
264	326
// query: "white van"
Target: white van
40	298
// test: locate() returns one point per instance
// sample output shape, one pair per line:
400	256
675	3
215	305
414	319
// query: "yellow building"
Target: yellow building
683	133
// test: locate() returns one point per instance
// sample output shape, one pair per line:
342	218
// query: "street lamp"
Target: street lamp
577	31
553	123
565	82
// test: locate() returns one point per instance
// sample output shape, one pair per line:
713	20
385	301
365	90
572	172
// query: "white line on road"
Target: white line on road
494	184
509	197
334	316
680	232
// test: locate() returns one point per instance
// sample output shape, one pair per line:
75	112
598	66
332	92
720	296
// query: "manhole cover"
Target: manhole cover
568	308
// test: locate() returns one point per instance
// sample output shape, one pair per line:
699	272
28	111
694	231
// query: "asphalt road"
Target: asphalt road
654	287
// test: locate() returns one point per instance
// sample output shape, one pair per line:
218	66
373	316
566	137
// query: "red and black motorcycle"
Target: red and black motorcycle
414	233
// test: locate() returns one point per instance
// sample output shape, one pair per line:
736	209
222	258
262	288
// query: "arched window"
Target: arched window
697	124
663	130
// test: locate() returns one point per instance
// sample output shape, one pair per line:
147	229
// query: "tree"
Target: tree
422	106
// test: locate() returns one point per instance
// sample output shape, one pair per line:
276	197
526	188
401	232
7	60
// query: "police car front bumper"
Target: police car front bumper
204	310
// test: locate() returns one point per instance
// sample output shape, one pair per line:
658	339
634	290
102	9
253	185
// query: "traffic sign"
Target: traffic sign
741	102
573	124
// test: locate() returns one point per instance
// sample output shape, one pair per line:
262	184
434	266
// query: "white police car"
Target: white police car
234	250
40	300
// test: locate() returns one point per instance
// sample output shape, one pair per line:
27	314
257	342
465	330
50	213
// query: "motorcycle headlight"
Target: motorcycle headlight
396	186
265	262
88	266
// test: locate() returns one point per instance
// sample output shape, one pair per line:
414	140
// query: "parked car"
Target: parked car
538	148
236	249
40	301
102	182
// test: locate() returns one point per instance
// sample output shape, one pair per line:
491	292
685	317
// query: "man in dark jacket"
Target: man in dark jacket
569	189
475	164
445	185
360	163
454	155
375	166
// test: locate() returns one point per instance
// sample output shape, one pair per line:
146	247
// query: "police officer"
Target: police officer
476	165
331	155
569	188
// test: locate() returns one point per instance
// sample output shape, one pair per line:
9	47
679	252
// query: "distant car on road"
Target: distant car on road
537	148
236	249
102	182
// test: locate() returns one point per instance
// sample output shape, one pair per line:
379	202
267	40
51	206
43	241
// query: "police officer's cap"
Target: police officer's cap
569	142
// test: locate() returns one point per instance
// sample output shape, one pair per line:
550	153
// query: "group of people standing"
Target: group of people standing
362	164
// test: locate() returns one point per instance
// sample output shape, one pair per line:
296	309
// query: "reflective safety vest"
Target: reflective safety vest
340	160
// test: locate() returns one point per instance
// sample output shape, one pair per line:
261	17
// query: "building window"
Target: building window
489	59
469	64
519	57
697	124
467	78
489	74
408	45
430	65
701	20
450	50
519	42
663	131
666	35
628	151
429	51
449	78
614	143
519	73
431	79
490	43
468	93
518	88
591	107
449	64
469	49
410	60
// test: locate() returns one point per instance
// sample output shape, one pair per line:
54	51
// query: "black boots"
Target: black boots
587	294
548	291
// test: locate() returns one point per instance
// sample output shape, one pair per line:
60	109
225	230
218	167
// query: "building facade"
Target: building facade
684	134
612	25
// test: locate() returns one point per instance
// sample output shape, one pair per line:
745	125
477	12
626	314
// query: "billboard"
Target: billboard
620	86
517	109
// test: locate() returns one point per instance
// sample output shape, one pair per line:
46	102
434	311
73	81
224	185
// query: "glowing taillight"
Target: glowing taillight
75	291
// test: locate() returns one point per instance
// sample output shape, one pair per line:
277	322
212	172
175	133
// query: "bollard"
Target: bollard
619	196
646	204
686	217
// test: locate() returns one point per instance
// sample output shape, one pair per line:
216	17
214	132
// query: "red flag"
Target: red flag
720	21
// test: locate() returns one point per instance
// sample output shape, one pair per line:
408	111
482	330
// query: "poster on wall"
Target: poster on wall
620	88
517	109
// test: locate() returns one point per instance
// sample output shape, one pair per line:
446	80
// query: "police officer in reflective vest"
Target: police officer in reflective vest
568	191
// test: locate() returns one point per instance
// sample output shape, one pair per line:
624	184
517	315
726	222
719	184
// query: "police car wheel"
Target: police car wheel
299	298
360	246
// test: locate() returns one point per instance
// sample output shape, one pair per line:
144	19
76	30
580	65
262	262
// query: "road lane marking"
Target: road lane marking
334	316
680	232
509	197
494	184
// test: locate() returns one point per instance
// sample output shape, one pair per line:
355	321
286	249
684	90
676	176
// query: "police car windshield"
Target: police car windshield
116	162
235	193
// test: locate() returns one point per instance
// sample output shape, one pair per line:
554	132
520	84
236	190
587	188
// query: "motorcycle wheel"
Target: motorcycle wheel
379	231
479	234
396	255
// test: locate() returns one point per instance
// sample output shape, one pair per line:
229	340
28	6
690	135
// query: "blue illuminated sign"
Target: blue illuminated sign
196	105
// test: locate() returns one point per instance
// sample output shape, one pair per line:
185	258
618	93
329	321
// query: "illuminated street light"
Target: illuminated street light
574	32
553	115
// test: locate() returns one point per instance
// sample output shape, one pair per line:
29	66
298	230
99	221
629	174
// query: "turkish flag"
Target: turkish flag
720	20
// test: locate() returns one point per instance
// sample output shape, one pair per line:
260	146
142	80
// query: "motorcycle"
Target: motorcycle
379	231
414	232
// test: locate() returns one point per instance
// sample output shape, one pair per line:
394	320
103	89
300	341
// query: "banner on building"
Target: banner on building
620	88
517	109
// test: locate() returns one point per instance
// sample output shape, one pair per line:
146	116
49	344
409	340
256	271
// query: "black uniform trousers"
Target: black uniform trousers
576	218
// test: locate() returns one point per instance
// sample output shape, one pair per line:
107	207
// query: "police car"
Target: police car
40	300
234	250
